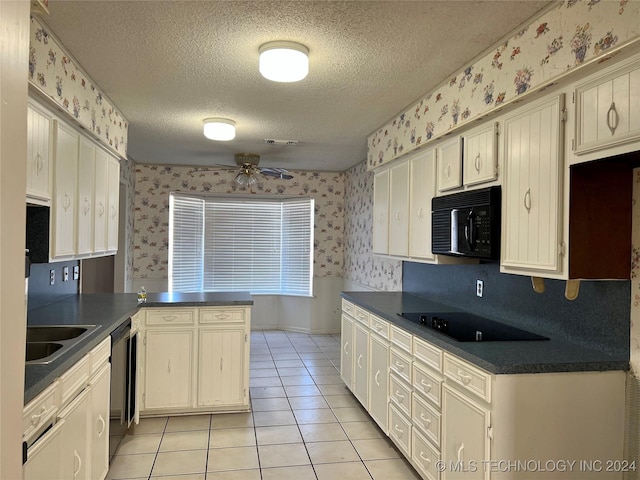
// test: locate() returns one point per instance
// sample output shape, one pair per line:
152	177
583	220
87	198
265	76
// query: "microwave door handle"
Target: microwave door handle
471	235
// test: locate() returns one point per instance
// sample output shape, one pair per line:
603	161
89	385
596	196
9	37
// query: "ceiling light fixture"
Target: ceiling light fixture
221	129
284	61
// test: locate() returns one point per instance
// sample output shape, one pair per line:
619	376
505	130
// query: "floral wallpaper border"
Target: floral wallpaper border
153	183
561	39
55	73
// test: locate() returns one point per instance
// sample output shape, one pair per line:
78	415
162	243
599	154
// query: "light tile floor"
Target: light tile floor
304	424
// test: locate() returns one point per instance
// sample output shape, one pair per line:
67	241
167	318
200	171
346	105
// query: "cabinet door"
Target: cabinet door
465	437
608	110
381	212
532	191
43	462
101	202
347	351
99	388
221	367
361	365
379	381
481	155
65	183
422	181
399	210
38	148
114	200
86	180
168	372
74	455
449	162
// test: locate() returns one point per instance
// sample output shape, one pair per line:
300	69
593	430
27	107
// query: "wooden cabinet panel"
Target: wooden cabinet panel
347	351
481	154
101	201
65	192
44	460
38	154
221	367
381	212
113	173
361	364
379	381
399	209
532	189
74	454
100	388
169	372
449	160
86	187
422	179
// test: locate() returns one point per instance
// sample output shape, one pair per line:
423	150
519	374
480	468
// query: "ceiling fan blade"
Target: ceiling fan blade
276	172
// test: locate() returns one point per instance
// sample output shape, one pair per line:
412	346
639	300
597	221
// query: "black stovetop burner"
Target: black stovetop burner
466	327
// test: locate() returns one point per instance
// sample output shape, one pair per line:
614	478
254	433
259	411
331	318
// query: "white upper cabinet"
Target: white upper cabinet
38	155
86	178
114	197
449	156
481	154
608	109
422	180
532	189
399	209
101	201
65	192
381	211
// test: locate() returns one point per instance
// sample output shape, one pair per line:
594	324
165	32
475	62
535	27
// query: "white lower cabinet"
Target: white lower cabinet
195	360
66	427
361	369
454	420
169	371
379	380
346	351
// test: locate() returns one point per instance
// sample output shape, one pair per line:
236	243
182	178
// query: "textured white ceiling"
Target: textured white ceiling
167	65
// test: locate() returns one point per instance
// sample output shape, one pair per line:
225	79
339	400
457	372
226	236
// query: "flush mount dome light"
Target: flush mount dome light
221	129
284	61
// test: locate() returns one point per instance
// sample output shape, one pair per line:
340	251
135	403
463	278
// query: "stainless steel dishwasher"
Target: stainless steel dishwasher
123	384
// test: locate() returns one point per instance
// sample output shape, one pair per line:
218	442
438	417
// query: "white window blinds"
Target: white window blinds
264	246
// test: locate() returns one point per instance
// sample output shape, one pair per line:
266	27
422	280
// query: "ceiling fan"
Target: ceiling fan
248	169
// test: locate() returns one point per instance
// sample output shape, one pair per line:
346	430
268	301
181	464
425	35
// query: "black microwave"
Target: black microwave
467	224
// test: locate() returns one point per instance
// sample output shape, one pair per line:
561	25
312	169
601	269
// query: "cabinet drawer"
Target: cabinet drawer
222	315
100	355
400	430
427	353
168	316
39	411
426	418
424	456
348	307
362	316
74	379
401	338
468	377
400	364
428	385
379	326
400	394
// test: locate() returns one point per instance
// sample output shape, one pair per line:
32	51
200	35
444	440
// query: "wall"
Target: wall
362	269
41	292
153	183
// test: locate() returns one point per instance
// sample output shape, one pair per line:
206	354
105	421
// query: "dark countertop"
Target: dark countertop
545	356
108	311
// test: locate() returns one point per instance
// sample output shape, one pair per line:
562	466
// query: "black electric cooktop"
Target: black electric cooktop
466	327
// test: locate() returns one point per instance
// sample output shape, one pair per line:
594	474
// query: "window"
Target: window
260	245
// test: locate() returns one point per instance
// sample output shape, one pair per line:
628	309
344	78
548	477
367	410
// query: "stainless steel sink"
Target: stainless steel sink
45	343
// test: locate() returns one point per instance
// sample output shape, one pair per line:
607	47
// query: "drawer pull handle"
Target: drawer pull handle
103	425
376	378
222	316
426	460
169	318
425	420
426	386
461	452
360	362
346	344
399	395
35	418
400	366
466	379
398	429
378	327
77	457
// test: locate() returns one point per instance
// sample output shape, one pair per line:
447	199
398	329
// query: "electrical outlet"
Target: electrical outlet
65	274
76	272
479	288
52	277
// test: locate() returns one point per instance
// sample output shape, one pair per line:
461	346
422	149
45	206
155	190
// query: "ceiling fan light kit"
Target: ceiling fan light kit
221	129
284	61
